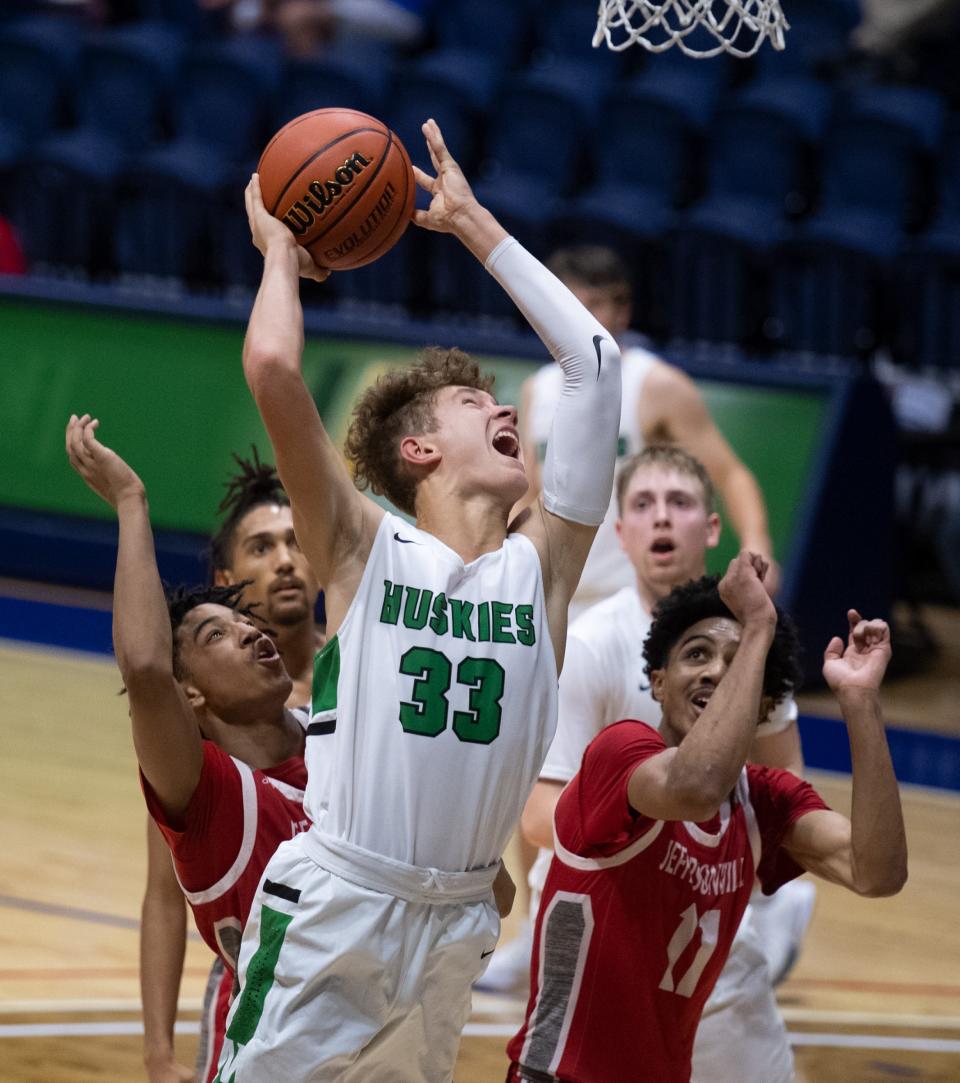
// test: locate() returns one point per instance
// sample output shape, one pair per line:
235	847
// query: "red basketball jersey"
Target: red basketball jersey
638	916
233	825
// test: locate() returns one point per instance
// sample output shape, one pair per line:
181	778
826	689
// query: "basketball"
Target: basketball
342	182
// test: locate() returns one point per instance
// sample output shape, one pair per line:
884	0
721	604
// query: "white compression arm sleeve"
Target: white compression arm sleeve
582	449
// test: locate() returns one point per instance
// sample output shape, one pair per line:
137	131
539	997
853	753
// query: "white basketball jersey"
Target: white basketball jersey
607	568
435	702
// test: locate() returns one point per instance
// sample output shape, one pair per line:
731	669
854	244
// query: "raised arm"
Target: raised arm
165	732
672	409
691	781
868	852
578	471
335	523
163	942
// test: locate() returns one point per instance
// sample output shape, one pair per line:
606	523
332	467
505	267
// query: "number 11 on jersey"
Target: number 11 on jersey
709	926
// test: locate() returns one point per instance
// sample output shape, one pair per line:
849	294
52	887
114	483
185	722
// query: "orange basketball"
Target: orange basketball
342	182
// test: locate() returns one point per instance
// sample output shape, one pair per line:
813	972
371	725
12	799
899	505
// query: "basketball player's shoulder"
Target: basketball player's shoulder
614	619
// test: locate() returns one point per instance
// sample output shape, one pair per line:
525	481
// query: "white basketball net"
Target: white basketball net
660	26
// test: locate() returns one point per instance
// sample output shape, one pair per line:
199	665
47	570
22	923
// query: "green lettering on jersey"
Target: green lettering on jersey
392	596
460	613
501	622
438	622
526	633
416	608
483	622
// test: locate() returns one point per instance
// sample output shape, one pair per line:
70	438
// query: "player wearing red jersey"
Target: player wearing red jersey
256	546
221	758
659	836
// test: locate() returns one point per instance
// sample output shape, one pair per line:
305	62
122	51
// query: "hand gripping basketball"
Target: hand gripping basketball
265	230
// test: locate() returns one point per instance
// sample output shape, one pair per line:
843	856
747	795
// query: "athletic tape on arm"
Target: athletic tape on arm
582	450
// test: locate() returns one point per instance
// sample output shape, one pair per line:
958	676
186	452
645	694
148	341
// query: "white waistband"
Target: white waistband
392	877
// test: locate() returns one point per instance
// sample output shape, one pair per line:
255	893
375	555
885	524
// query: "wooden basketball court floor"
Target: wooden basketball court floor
875	996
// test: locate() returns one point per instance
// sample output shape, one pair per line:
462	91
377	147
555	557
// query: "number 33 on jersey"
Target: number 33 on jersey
435	703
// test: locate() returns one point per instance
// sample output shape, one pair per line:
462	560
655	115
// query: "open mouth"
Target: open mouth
701	698
507	443
265	650
662	546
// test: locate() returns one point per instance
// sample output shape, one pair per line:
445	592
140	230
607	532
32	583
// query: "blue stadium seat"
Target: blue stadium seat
37	62
223	94
819	32
564	32
124	80
117	99
927	294
500	29
831	279
648	142
830	298
539	126
927	300
759	170
634	221
456	89
356	80
173	201
458	283
190	16
716	281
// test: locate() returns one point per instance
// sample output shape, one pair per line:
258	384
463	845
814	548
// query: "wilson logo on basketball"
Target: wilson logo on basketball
322	194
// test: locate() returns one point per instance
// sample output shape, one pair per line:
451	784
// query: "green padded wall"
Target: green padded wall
172	400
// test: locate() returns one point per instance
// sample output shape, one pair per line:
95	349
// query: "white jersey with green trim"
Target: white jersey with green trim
434	704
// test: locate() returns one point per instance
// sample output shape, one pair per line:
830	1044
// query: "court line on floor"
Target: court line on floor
76	913
823	1017
795	1016
481	1030
88	1006
865	985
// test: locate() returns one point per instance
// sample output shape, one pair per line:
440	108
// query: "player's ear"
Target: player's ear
419	450
656	684
713	530
195	697
221	578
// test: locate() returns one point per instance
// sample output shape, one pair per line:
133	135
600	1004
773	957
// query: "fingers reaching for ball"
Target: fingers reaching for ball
450	194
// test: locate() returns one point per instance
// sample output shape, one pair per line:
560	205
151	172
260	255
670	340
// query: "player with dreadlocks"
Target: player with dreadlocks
256	544
221	757
256	547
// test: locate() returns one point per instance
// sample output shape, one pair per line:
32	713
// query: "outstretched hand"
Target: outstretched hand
266	231
743	592
449	191
102	469
862	663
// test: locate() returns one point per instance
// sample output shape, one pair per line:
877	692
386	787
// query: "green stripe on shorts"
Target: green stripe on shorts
273	928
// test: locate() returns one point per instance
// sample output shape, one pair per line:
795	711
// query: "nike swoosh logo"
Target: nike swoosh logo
403	541
597	339
484	954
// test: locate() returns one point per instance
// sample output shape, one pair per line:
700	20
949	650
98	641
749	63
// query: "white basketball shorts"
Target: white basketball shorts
340	982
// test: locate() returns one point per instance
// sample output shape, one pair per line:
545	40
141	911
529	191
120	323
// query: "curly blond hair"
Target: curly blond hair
401	404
